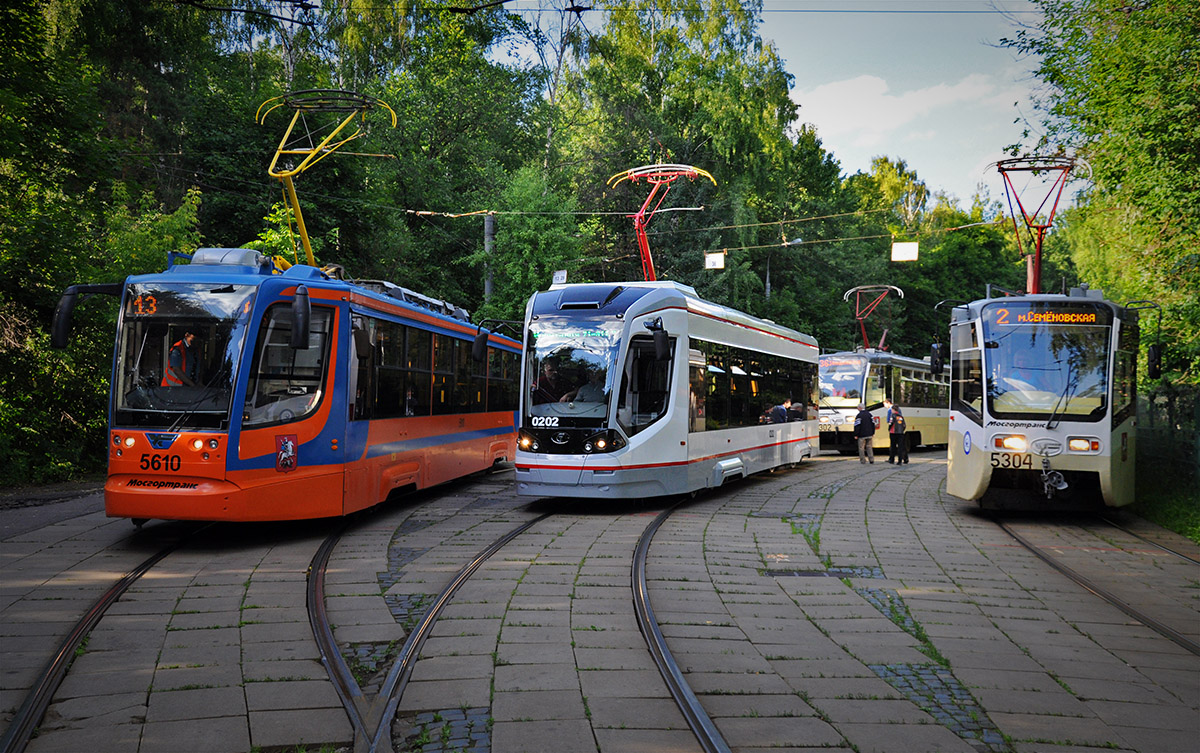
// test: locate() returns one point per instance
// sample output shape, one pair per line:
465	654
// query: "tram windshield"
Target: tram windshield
570	370
1047	359
842	381
177	354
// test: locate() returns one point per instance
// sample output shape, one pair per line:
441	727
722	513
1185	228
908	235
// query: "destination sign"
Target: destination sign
1020	314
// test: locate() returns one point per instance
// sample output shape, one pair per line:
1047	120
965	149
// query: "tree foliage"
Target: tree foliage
1122	91
128	132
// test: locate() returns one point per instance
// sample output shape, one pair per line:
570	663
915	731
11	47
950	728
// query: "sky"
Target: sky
932	89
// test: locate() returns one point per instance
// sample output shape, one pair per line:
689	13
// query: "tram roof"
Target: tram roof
618	297
1081	294
244	266
882	357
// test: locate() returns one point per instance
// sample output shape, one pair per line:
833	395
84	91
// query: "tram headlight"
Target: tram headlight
1083	444
116	440
1010	442
213	444
129	441
605	441
527	442
197	444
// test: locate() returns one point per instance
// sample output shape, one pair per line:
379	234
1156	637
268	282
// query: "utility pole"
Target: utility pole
489	239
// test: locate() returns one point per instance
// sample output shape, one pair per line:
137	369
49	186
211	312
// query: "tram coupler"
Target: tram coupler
1052	481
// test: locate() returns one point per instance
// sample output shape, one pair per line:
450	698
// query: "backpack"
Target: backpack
897	422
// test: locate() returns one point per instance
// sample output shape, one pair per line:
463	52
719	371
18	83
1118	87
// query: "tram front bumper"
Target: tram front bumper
544	479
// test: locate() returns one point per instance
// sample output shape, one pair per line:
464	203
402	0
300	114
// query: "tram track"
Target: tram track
1105	593
372	719
48	680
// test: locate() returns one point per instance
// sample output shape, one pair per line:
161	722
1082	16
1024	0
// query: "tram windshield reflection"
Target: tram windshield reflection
1046	359
192	387
570	369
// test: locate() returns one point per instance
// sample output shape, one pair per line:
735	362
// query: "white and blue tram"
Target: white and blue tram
642	389
1043	401
868	377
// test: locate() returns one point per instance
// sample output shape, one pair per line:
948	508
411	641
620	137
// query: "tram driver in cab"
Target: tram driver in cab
183	362
550	386
1029	374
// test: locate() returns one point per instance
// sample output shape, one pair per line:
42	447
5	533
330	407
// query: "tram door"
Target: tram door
968	472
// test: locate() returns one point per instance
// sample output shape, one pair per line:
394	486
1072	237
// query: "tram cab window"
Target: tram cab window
286	384
645	386
966	373
874	396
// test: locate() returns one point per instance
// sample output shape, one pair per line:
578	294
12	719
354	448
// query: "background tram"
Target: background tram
869	376
642	389
301	396
1043	400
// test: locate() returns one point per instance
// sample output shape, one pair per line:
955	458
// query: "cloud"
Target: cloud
863	112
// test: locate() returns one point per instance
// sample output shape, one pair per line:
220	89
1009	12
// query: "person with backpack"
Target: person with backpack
897	442
864	432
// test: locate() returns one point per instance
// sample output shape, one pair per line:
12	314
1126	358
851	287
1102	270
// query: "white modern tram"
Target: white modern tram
1043	403
642	389
870	376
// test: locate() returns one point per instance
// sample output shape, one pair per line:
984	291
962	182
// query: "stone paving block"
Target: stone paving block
217	735
777	731
118	737
515	677
534	653
646	741
172	656
95	711
756	706
569	736
460	627
183	638
291	694
537	705
736	682
309	728
272	671
281	651
614	658
1054	729
903	738
623	683
453	667
639	713
445	694
1159	741
841	710
174	705
459	646
81	685
844	687
211	676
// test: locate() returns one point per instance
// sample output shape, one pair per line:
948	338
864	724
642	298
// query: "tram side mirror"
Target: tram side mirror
662	345
1153	359
362	344
301	313
61	328
479	347
937	358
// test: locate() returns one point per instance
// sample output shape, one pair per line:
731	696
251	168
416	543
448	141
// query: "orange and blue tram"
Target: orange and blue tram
243	393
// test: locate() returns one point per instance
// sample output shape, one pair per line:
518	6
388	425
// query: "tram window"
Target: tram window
286	383
697	392
417	346
1125	373
362	369
874	396
718	389
389	340
967	384
645	387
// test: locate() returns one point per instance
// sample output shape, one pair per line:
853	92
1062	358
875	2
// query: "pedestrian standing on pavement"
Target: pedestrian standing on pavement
897	441
864	432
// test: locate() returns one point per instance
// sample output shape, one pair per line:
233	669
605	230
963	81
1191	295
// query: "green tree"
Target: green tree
1123	92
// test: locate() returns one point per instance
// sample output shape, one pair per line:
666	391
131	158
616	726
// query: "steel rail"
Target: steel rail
339	673
25	721
697	718
1149	541
1155	625
373	722
397	678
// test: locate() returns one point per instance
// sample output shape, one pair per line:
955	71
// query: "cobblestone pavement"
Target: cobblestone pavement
834	606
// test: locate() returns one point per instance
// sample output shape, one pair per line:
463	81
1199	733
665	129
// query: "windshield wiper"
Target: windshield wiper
1067	393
